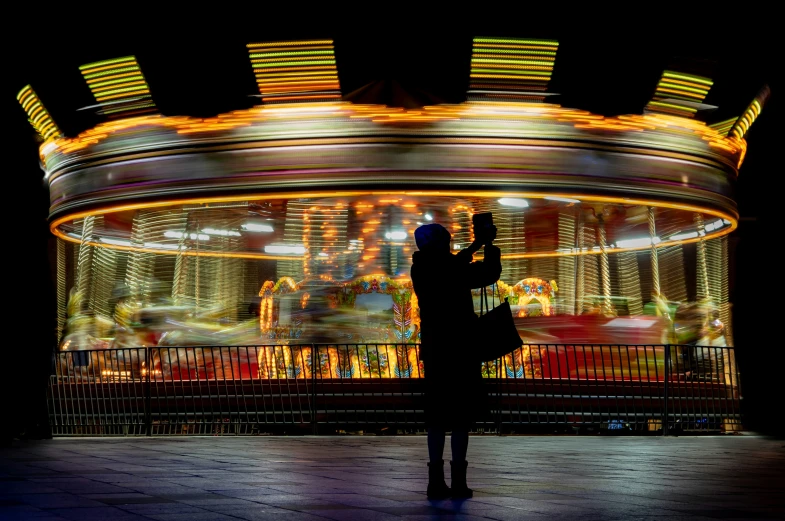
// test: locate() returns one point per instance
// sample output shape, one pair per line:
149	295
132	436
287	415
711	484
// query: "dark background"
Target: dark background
198	65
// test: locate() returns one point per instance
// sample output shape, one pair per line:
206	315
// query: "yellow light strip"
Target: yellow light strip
121	82
723	127
37	114
749	116
508	67
295	71
678	88
54	225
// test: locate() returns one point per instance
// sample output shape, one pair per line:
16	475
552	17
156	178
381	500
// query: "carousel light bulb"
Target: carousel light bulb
428	217
514	201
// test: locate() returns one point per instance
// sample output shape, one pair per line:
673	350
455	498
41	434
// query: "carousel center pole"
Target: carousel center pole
655	264
196	275
580	283
84	269
607	306
703	269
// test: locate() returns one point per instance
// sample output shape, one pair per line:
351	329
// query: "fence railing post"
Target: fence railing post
499	369
148	421
314	359
666	392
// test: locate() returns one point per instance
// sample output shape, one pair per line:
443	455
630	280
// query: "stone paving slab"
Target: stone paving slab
356	478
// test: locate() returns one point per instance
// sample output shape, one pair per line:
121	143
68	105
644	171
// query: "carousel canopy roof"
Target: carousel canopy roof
510	135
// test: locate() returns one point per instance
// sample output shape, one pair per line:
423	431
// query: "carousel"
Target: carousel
292	223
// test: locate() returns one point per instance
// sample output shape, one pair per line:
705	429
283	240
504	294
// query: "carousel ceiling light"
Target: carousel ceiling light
514	201
284	249
255	227
428	217
116	242
634	243
683	236
223	233
395	236
193	236
160	246
716	225
562	199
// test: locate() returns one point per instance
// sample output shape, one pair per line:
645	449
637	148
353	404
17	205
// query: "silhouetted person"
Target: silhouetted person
454	395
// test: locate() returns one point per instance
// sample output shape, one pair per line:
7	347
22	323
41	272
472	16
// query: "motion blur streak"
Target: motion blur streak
511	69
295	71
749	116
119	87
37	114
679	94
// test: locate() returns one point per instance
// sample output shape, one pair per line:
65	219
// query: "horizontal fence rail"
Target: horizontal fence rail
329	388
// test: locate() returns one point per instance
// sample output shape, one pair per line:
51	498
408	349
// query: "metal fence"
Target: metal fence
327	389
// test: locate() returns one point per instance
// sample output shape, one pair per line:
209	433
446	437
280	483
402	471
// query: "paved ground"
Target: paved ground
383	478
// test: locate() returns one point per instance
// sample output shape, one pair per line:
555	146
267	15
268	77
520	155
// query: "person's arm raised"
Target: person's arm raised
485	272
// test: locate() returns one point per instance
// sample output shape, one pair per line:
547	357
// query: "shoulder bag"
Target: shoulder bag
496	332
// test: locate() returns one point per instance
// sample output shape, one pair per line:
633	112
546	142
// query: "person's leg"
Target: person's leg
437	488
459	441
436	444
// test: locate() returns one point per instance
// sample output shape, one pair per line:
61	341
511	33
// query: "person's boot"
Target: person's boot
458	483
437	488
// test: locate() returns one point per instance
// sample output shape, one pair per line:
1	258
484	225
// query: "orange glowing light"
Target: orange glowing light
733	219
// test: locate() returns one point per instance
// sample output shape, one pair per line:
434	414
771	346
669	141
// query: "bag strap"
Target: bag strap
484	298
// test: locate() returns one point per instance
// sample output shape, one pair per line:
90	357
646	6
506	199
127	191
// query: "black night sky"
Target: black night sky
198	65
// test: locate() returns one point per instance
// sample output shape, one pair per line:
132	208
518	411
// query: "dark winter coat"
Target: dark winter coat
454	396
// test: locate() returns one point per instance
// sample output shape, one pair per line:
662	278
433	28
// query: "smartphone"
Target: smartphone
481	221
